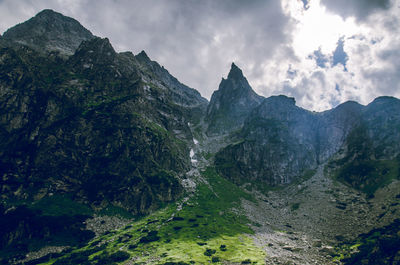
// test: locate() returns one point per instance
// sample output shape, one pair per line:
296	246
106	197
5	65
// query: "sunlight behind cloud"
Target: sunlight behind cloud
316	27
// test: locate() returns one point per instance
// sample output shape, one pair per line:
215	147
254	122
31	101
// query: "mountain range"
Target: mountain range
106	158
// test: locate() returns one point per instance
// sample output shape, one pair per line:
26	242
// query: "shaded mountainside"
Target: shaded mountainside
81	128
98	127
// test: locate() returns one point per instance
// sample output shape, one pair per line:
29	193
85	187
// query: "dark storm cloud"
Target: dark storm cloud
357	8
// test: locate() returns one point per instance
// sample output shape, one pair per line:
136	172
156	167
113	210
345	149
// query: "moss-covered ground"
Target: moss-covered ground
206	229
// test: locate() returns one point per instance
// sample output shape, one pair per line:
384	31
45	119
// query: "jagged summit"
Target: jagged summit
231	103
142	56
235	72
49	31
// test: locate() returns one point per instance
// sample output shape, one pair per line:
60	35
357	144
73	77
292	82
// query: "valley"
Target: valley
106	158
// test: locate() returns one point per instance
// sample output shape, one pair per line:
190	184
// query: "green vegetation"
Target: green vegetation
205	230
58	205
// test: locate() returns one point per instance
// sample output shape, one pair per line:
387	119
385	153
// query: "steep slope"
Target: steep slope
193	104
231	103
180	93
49	31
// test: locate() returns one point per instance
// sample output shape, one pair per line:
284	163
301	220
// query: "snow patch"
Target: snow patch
191	156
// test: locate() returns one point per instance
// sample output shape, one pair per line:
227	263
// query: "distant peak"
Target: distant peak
49	14
385	99
143	56
49	31
235	72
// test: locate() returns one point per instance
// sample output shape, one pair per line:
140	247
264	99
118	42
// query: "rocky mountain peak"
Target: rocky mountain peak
48	14
231	103
49	31
143	57
235	72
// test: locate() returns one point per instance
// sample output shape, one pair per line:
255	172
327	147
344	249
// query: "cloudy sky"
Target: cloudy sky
322	52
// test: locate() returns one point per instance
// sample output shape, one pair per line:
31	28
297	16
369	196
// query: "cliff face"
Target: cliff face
280	142
276	144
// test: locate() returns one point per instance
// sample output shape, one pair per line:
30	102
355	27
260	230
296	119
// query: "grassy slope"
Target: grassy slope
205	225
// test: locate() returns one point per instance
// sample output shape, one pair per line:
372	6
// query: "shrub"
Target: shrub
132	247
209	252
151	237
